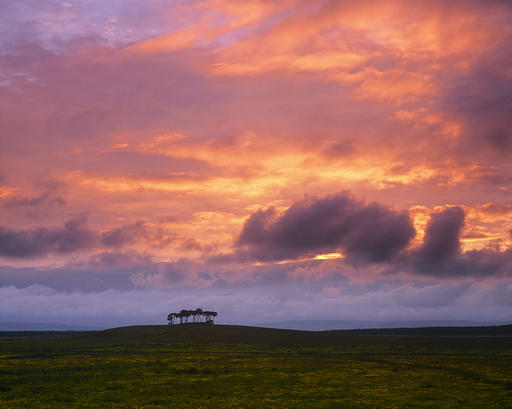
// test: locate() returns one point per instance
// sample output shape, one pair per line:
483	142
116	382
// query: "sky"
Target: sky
272	161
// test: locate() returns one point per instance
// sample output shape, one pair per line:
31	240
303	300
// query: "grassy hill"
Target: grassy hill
224	366
201	333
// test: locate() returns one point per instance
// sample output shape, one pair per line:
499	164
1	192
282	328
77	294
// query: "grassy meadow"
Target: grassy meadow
220	366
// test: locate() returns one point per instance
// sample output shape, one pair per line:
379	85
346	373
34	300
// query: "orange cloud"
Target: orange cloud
233	16
289	98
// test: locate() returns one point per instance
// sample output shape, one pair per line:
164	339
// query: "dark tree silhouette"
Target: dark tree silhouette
171	317
197	316
209	316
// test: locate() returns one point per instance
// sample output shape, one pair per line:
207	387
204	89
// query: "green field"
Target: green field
220	366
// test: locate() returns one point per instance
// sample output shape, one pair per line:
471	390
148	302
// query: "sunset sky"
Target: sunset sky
269	160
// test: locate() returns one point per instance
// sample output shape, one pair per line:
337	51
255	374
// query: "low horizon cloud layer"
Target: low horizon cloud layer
270	160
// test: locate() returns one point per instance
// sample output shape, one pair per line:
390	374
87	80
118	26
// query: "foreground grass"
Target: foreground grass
242	367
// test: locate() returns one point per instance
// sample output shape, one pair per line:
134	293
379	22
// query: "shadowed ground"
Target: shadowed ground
194	366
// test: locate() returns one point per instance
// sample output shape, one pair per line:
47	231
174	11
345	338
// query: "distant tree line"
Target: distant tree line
198	315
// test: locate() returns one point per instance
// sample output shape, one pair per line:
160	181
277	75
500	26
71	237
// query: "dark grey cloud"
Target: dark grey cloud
484	262
441	254
129	233
474	263
99	272
117	269
39	206
114	259
442	236
73	236
136	232
363	232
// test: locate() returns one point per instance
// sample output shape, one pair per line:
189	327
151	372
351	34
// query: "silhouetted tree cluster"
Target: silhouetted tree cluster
198	315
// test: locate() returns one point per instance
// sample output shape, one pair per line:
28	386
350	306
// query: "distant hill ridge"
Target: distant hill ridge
201	334
325	325
198	333
302	325
42	326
